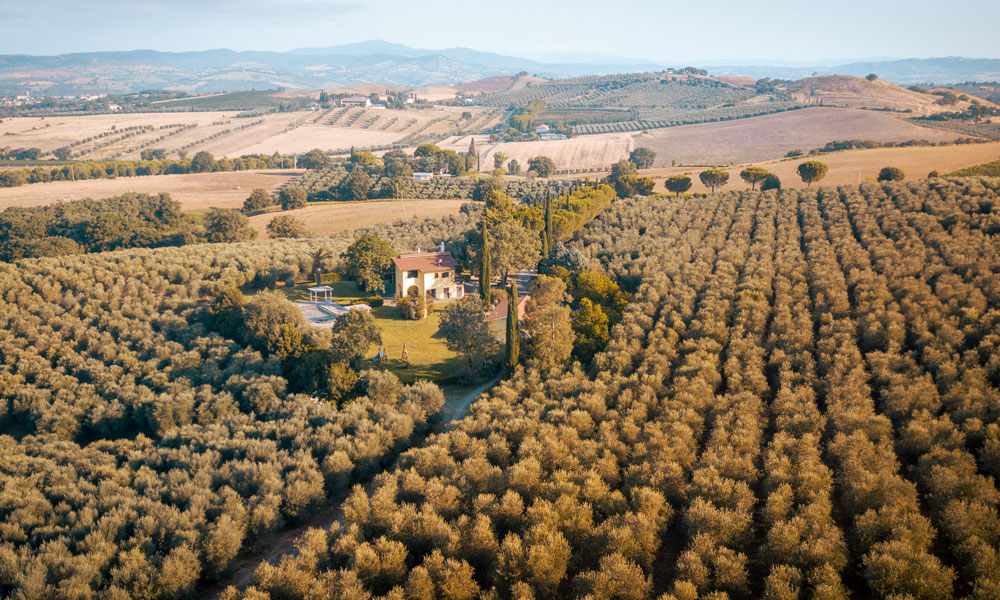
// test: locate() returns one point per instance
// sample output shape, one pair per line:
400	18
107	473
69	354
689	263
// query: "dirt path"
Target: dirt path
458	401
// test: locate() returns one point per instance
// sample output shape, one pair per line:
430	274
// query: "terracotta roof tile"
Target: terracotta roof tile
426	262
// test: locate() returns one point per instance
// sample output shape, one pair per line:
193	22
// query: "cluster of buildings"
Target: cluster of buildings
27	99
545	133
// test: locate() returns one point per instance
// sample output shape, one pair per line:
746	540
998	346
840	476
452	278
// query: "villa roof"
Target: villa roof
500	310
426	262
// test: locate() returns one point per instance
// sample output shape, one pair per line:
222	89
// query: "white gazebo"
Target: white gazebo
321	292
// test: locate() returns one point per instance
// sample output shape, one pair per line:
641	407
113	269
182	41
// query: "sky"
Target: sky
658	31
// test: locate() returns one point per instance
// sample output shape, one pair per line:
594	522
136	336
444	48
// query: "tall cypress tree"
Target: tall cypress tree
513	341
547	233
474	155
484	270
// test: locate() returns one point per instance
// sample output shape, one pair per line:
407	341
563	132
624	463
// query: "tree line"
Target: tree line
202	162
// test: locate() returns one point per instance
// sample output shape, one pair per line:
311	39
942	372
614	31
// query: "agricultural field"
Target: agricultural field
49	133
195	191
636	101
323	184
740	141
124	136
801	400
582	153
857	92
202	407
635	89
846	166
329	217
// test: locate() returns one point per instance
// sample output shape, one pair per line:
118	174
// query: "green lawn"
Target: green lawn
344	292
429	356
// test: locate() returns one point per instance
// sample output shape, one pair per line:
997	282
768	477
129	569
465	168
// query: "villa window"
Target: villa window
412	275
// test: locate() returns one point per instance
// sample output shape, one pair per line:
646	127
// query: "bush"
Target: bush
373	301
891	174
292	197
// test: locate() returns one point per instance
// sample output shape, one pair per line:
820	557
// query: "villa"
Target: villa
431	273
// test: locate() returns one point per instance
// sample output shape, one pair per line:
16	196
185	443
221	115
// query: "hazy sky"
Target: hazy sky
668	32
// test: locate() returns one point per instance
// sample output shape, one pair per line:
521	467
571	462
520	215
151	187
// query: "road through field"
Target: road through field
458	402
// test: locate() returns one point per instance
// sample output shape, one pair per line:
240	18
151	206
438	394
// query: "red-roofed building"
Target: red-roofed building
498	316
432	273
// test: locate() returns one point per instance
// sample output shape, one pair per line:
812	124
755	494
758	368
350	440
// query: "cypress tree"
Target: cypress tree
547	233
513	342
474	154
484	271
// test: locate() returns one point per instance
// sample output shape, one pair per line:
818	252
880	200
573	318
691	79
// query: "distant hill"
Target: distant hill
389	64
308	68
859	92
903	72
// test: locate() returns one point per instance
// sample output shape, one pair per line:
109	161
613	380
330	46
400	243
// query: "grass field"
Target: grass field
194	191
338	216
738	141
915	162
429	356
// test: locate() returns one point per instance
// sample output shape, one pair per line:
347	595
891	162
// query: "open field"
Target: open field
916	163
740	141
337	216
194	191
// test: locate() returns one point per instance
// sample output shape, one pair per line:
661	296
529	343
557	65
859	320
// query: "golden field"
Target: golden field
195	191
331	217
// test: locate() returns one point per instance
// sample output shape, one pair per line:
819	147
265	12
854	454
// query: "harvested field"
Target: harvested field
305	138
772	136
222	134
739	141
49	133
584	152
193	191
338	216
845	166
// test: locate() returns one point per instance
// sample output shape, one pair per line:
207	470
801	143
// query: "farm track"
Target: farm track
458	402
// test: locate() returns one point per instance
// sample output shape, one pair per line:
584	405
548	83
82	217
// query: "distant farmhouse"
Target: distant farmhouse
362	101
431	273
